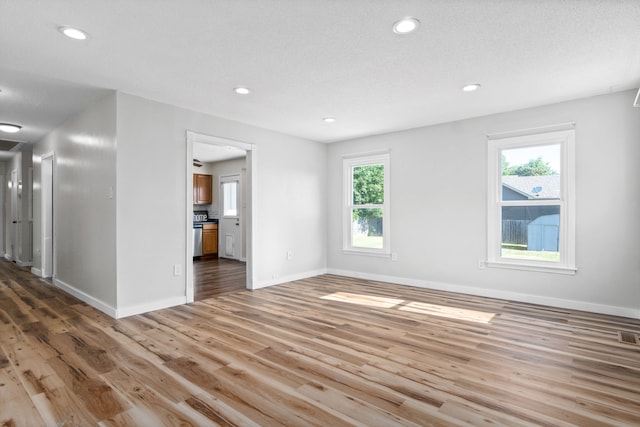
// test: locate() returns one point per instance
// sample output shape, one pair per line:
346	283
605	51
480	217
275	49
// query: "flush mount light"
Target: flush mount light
471	87
406	25
9	128
329	119
241	90
74	33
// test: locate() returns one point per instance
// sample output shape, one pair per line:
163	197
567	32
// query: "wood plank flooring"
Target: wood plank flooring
218	276
325	351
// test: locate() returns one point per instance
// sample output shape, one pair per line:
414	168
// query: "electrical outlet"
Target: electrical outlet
482	264
394	256
177	270
289	255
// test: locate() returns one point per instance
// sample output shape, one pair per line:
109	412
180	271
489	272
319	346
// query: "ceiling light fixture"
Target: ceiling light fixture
9	128
471	87
329	119
240	90
406	25
74	33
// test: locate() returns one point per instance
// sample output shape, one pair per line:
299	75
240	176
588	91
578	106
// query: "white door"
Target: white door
14	216
47	217
229	230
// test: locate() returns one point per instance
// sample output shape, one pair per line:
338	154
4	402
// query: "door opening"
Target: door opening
250	187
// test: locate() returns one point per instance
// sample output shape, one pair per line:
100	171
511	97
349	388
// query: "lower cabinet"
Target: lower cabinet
209	239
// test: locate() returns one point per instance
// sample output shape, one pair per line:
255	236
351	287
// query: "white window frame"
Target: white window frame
349	162
563	135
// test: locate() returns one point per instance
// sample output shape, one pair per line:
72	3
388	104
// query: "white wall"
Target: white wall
151	175
84	215
438	207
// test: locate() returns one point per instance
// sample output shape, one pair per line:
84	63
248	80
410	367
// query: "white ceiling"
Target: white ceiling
308	59
216	153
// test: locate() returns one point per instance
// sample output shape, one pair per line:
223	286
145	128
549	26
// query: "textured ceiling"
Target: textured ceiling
305	60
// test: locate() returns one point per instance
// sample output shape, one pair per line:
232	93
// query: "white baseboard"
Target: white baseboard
7	257
494	293
24	263
36	271
151	306
290	278
92	301
118	313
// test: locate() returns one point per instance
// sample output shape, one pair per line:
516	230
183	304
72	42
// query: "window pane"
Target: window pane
531	232
366	228
368	185
531	173
229	190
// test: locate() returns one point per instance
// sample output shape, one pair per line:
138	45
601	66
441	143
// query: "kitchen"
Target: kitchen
219	212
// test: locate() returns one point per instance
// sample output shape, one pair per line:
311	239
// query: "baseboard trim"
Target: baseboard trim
493	293
24	263
151	306
290	278
92	301
36	271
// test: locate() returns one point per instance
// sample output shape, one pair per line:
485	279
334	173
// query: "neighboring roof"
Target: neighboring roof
534	187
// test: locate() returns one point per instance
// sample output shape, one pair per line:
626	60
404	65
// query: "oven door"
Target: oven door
197	240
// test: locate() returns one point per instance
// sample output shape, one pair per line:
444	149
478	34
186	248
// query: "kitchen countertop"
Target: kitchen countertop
211	221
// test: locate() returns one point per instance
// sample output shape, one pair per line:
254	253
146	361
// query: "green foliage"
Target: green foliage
534	167
368	189
368	185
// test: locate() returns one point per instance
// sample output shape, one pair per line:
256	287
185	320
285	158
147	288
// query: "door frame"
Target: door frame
44	214
252	189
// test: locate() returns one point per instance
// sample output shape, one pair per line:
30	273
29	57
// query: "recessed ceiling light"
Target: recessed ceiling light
406	25
471	87
240	90
329	119
9	128
74	33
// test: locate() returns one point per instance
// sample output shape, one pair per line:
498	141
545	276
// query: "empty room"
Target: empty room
319	212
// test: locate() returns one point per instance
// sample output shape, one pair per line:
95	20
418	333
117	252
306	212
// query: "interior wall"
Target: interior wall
151	173
439	211
84	203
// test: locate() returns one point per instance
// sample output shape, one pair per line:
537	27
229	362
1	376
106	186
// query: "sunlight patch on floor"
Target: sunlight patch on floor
448	312
369	300
413	307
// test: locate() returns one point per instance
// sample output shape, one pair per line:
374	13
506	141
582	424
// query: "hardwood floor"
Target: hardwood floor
325	351
218	276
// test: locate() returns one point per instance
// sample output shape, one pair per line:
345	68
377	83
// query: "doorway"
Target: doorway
250	189
46	193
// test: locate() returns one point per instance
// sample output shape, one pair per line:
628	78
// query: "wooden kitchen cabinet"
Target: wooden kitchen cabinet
202	188
209	239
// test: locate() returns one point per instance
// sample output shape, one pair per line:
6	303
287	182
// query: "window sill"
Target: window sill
366	253
530	267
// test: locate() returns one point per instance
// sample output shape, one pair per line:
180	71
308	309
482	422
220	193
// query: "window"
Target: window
230	199
531	201
366	204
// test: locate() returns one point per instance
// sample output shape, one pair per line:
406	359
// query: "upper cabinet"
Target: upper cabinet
202	189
